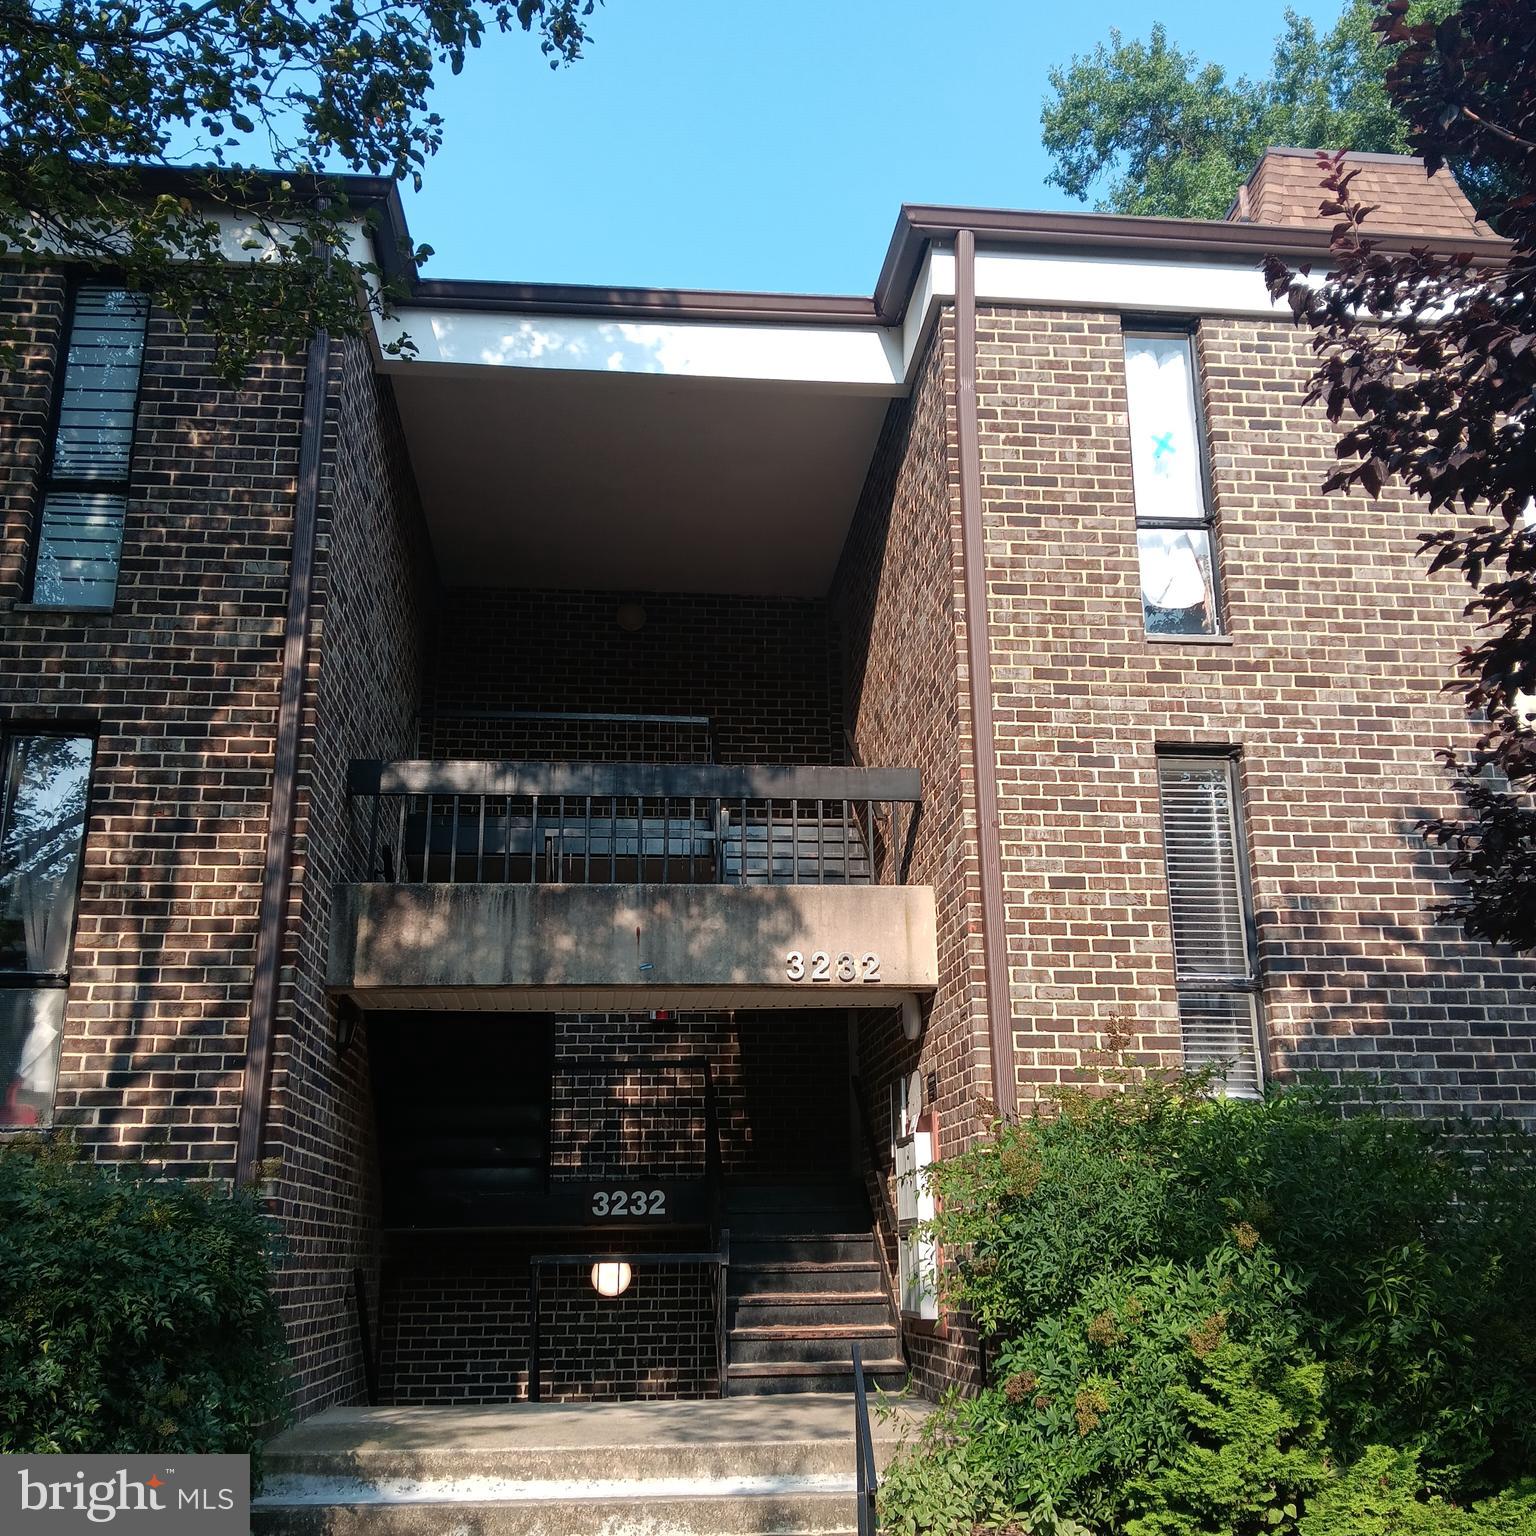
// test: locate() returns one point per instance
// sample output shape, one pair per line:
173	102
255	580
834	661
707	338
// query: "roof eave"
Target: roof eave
1097	233
917	226
643	303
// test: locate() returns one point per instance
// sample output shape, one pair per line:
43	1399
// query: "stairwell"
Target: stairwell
806	1286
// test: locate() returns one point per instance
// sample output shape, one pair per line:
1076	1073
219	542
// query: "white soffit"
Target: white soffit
1168	284
861	357
935	282
857	358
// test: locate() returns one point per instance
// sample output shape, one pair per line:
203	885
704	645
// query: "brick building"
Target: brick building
657	765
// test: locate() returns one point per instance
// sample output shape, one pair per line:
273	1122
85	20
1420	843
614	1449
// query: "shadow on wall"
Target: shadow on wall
1447	1024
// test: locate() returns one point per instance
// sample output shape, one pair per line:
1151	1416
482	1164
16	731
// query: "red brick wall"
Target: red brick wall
1328	686
30	310
764	670
900	599
456	1312
781	1085
180	683
373	598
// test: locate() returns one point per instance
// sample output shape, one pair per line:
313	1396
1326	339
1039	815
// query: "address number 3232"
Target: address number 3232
821	966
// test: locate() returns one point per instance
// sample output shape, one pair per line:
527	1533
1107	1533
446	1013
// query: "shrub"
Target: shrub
136	1313
1383	1494
1200	1311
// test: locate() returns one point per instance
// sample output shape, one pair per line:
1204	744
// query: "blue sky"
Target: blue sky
766	144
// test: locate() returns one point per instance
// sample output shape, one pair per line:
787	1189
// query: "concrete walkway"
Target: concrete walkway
736	1435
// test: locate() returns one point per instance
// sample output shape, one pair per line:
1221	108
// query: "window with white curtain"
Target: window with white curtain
912	1147
85	496
1174	536
1214	953
46	778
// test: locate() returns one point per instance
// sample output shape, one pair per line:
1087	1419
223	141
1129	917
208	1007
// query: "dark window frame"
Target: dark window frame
50	981
47	481
83	730
1250	983
1186	328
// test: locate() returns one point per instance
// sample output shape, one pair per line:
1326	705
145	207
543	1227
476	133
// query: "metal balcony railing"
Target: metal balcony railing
630	823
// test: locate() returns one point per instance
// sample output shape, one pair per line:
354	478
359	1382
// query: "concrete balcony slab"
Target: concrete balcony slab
610	948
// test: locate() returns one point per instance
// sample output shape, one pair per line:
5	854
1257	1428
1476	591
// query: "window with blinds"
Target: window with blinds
85	496
1215	964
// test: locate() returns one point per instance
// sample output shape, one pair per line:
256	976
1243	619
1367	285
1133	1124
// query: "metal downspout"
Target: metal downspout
276	878
973	547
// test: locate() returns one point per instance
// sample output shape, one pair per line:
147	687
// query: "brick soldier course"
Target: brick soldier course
1322	687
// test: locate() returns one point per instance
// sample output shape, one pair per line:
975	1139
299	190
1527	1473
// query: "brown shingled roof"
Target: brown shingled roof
1284	189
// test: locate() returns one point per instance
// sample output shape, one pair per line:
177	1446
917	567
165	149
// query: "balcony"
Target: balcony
612	886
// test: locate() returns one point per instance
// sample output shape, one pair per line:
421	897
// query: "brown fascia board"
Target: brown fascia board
916	226
1100	233
646	303
368	194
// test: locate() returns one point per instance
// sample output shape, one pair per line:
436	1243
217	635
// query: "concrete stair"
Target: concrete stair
806	1286
711	1468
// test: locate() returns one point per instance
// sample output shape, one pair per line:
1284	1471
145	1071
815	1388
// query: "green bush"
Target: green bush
136	1313
1219	1316
1383	1494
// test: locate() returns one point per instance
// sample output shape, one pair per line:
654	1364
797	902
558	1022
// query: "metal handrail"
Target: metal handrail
631	823
720	1259
365	1335
866	1478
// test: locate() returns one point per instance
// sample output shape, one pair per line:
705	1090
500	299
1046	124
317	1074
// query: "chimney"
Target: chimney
1284	189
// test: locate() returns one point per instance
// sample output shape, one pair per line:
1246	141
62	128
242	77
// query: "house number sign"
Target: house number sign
613	1203
821	966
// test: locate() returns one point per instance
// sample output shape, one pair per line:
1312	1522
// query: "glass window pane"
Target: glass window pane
101	385
31	1027
1165	439
1178	582
1221	1029
1206	899
79	547
41	834
916	1253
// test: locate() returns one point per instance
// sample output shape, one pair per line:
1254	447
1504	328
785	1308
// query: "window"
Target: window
912	1135
1214	958
85	496
42	830
1173	517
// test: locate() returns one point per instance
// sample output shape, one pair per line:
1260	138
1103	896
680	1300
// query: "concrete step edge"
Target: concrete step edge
807	1266
801	1237
295	1493
379	1465
815	1331
811	1298
811	1367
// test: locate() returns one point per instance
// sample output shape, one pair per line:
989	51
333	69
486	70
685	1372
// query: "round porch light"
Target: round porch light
610	1280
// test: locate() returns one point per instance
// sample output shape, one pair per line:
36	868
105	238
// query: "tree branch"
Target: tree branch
1494	128
30	22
